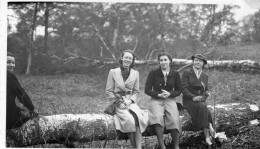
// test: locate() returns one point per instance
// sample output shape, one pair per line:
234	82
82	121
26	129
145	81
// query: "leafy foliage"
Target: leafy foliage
104	30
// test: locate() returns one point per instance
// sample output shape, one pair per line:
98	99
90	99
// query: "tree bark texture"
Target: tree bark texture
89	127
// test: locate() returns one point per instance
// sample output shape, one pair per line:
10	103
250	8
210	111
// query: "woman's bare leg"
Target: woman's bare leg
159	130
175	138
132	138
138	138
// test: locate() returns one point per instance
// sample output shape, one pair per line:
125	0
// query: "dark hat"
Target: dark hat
199	56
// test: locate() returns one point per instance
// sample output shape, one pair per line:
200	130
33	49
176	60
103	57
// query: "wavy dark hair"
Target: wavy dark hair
10	54
165	54
133	62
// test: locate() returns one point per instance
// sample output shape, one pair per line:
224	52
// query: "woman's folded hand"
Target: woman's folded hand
161	95
166	93
198	98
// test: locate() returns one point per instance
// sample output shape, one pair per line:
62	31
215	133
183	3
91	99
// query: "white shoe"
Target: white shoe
211	131
208	141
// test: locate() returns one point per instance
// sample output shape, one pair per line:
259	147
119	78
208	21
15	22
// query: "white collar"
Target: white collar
165	72
197	72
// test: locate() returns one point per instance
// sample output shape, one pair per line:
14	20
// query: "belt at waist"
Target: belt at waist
124	93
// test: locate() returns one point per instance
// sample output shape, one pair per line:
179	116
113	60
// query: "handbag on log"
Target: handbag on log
111	108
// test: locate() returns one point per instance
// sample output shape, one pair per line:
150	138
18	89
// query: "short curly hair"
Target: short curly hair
165	54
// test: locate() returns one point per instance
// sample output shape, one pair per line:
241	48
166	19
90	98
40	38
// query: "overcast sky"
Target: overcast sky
247	7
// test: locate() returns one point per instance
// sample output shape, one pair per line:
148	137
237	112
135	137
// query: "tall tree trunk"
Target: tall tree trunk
30	49
115	38
212	23
207	32
46	25
116	31
162	30
149	51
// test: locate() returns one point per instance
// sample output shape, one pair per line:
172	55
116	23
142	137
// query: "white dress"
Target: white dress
124	120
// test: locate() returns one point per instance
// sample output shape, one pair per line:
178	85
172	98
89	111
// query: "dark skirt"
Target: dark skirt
200	114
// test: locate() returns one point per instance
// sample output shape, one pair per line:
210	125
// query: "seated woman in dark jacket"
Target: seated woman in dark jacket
163	85
195	92
14	117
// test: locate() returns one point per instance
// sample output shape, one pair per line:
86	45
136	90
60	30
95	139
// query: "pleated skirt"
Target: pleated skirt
165	113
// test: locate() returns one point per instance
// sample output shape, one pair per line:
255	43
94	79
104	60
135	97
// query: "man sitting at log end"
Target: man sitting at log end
14	117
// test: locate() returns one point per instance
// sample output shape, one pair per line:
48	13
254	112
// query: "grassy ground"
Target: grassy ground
78	93
85	93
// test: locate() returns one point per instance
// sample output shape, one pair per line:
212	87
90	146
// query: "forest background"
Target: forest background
79	34
64	69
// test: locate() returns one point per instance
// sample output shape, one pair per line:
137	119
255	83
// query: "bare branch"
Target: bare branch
151	54
136	43
103	41
210	50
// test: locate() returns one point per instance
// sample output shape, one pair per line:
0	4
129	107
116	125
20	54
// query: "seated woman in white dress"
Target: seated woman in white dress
123	85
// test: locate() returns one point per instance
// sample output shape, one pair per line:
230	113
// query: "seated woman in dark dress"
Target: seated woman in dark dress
195	93
14	116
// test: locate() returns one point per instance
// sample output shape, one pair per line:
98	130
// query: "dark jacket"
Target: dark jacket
155	83
14	89
192	86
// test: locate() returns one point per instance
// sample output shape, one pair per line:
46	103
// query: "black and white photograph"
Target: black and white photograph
131	74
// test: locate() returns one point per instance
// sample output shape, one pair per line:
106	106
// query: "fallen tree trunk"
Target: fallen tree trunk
230	64
224	64
88	127
79	63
